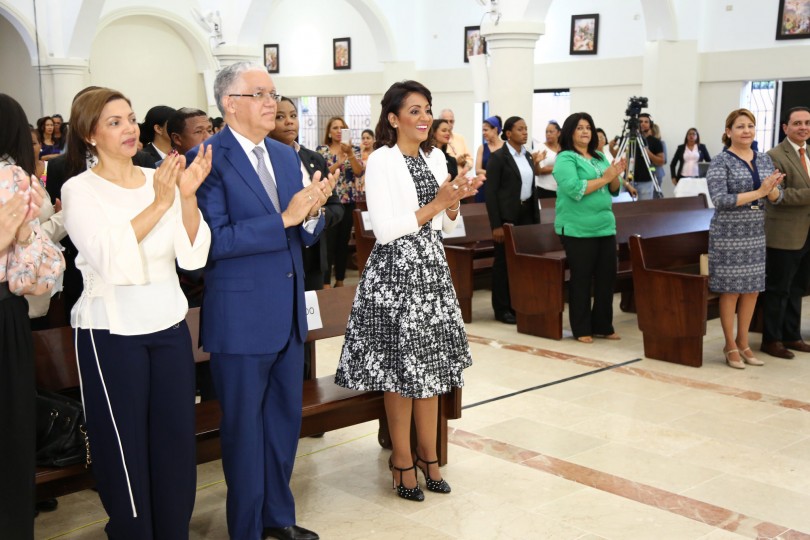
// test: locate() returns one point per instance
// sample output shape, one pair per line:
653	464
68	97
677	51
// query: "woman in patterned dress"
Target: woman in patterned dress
405	335
739	181
29	264
343	159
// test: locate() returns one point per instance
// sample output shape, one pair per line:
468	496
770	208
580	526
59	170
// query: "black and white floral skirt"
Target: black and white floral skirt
405	331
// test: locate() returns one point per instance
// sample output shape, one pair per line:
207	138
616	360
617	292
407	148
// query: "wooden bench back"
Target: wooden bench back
662	224
335	305
534	239
655	206
667	252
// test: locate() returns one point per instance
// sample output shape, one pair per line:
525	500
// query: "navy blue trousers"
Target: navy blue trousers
261	398
139	407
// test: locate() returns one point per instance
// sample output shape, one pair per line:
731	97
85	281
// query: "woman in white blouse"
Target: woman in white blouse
134	350
546	185
687	156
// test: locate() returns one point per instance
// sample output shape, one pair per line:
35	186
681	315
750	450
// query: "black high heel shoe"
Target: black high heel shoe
437	486
411	494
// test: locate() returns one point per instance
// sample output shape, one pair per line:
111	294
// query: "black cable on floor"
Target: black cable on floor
552	383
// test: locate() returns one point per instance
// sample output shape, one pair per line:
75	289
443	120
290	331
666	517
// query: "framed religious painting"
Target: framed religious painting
474	42
271	58
794	19
342	53
584	34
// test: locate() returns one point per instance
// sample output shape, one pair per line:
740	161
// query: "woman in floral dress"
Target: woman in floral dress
405	335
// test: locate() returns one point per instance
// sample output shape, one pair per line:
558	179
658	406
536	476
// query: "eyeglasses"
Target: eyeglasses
261	96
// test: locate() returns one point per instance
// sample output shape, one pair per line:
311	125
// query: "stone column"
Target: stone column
670	80
511	46
62	78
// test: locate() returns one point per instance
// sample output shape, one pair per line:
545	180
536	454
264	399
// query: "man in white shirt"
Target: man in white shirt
457	147
787	228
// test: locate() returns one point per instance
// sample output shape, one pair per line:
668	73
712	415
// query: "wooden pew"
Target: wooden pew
325	407
538	268
672	298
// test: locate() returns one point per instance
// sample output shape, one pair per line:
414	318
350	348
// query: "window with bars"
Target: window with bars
759	97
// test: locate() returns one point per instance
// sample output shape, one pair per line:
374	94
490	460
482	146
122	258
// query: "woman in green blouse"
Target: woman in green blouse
586	183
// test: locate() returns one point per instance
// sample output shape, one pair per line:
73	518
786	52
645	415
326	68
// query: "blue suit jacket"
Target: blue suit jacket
254	279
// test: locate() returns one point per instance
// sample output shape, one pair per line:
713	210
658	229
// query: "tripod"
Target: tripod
633	143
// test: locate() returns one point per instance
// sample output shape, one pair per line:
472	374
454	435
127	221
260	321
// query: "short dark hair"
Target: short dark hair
392	102
177	122
569	128
288	100
789	112
15	137
508	125
697	133
370	132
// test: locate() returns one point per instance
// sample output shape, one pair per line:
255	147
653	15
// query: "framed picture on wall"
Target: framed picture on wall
271	58
584	34
794	19
474	42
342	53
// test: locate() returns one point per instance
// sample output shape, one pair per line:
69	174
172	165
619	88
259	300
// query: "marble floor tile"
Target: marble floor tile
646	450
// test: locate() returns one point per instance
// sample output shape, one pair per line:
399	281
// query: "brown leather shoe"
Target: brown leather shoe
800	346
777	349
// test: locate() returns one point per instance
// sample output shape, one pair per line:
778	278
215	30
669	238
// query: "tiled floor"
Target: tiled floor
647	450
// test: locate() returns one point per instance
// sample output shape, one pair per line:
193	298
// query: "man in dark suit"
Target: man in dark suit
253	319
788	243
511	198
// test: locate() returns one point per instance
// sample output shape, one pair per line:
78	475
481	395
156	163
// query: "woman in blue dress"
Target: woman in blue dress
740	180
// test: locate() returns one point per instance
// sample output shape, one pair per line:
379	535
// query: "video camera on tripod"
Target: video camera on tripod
633	143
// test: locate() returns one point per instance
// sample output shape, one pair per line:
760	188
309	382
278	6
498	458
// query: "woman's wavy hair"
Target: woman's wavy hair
84	117
570	127
392	102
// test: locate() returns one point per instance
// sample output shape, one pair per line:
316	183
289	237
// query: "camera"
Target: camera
635	104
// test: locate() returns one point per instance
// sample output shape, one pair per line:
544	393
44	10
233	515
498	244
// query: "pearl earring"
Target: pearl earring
93	143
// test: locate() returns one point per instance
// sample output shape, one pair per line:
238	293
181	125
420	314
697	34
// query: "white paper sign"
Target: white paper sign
459	231
314	321
366	220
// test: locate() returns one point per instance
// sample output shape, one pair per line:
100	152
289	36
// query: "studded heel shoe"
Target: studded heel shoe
437	486
411	494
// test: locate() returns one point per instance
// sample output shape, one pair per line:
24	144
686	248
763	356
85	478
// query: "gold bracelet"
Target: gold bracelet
28	241
456	209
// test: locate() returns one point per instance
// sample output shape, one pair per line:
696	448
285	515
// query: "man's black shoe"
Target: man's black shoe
293	532
506	318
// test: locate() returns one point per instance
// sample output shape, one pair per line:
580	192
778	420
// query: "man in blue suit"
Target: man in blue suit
253	318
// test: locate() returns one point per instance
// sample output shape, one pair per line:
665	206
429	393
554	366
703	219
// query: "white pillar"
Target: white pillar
673	93
511	66
62	79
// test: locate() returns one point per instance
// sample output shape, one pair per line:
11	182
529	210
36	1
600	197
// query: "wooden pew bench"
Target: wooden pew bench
326	406
538	270
672	298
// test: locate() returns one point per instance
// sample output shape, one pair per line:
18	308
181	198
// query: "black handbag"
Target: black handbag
61	434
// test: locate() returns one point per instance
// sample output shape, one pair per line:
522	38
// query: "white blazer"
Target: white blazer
391	193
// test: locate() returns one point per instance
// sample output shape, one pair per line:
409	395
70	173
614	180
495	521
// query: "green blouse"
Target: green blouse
577	214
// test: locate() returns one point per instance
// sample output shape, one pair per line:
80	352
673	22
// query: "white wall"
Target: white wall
305	30
147	61
19	78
